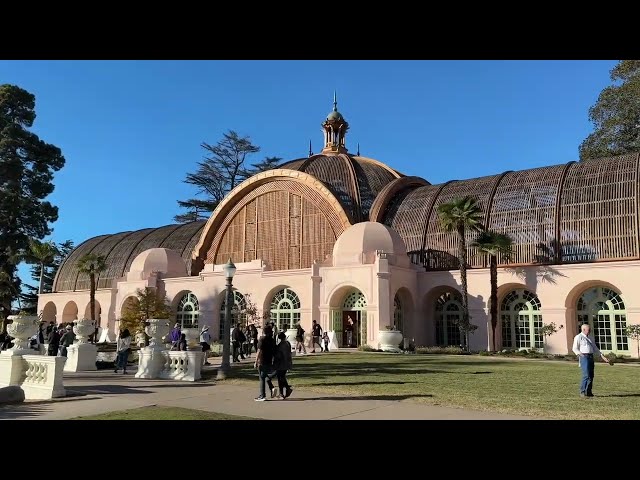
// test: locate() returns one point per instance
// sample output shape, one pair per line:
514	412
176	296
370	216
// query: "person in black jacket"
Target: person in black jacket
264	362
53	340
238	339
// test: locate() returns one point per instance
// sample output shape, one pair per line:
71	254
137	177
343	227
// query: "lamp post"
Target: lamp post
225	367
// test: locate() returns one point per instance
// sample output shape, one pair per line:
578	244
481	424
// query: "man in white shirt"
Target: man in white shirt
585	349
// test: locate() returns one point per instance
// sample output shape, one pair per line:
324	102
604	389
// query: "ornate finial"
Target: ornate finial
310	151
358	152
335	101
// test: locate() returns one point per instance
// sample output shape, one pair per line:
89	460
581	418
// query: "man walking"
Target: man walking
264	362
585	349
238	339
316	333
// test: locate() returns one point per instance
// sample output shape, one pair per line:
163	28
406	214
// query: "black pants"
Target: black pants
282	381
237	351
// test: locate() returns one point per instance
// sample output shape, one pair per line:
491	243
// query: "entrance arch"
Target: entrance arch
49	312
352	304
605	312
521	320
448	315
188	311
285	309
70	312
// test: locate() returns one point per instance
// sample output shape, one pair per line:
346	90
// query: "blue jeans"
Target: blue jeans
121	360
264	374
587	367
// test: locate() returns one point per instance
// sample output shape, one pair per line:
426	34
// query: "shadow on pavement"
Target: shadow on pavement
114	389
23	411
394	398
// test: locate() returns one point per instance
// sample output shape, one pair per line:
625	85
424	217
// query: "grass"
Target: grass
524	387
162	413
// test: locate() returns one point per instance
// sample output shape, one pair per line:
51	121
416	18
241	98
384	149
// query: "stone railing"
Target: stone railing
40	377
185	365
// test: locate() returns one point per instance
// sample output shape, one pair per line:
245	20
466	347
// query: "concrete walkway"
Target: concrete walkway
93	393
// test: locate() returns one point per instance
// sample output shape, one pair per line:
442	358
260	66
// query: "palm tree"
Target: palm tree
92	264
43	254
494	245
461	215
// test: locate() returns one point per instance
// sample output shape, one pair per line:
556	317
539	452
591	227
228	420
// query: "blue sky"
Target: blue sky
131	130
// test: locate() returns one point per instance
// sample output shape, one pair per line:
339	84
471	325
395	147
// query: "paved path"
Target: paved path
104	391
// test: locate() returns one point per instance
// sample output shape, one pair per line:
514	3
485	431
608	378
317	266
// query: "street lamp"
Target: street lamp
225	367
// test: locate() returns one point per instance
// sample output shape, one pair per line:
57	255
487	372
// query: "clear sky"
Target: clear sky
131	130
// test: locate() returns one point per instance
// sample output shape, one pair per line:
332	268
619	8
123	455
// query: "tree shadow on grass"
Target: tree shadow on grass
620	395
395	398
347	384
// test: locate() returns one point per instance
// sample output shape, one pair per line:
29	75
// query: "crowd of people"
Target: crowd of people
57	338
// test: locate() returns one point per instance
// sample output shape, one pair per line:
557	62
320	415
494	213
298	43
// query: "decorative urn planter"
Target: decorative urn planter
157	329
83	329
21	329
390	340
291	336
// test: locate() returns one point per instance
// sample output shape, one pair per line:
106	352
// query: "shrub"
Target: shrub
367	348
451	350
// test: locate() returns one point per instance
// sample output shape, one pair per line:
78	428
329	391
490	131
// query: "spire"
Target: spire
358	152
335	128
310	151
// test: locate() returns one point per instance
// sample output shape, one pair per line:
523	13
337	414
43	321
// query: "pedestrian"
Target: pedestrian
349	330
264	362
174	336
123	347
282	363
205	339
238	339
182	343
66	340
254	337
300	339
247	341
316	333
53	341
325	340
585	349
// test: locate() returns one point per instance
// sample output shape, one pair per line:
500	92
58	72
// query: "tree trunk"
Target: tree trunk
92	303
41	278
462	257
493	274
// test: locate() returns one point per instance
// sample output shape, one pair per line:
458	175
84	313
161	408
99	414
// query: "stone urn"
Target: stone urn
83	329
192	336
291	336
390	340
21	329
157	329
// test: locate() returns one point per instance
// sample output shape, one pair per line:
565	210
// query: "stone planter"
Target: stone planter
193	338
157	329
390	340
291	337
21	329
83	329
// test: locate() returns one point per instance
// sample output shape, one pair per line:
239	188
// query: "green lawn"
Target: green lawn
162	413
525	387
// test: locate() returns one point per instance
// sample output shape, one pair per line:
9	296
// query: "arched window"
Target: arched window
521	320
604	310
238	308
285	309
448	315
398	314
188	311
357	303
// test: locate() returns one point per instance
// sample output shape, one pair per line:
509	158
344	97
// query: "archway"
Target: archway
70	312
238	308
49	312
285	309
603	309
349	308
188	311
87	311
521	320
448	314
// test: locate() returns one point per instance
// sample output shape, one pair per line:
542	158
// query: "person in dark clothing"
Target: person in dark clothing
182	343
238	339
300	339
247	341
66	340
282	363
53	339
264	362
254	337
316	333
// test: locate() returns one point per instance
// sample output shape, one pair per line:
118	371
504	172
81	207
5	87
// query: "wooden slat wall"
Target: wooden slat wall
598	217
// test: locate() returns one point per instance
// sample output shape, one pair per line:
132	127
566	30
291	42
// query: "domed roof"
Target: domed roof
335	115
354	180
361	241
161	260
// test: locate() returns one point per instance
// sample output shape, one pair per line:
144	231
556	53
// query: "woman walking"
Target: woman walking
123	347
282	363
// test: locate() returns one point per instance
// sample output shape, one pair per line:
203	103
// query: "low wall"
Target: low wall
39	376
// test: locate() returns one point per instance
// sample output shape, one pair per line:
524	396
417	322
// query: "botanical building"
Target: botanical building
337	235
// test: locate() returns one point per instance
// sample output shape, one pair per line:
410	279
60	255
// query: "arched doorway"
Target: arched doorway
448	315
188	311
604	310
285	309
238	308
521	320
70	312
49	312
352	307
398	314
